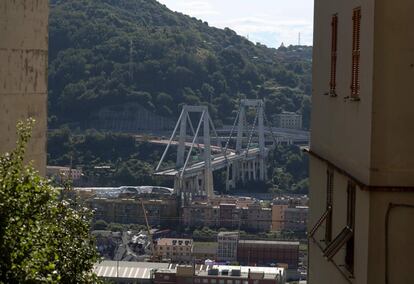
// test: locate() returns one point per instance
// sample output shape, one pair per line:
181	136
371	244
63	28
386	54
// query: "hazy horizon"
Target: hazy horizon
271	23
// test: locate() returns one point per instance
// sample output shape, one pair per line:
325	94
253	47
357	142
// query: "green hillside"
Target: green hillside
117	54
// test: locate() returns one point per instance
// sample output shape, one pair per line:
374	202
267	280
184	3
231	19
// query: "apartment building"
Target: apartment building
60	174
23	74
290	213
278	216
175	250
200	214
361	153
256	252
295	218
288	119
129	210
258	218
231	214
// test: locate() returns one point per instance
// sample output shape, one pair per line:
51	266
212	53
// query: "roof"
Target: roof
223	234
205	247
128	270
297	208
268	272
269	242
172	241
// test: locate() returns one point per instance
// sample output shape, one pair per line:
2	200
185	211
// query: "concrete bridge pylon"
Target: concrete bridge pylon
245	163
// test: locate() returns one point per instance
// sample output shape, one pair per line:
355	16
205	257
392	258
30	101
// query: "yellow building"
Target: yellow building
362	155
23	73
278	216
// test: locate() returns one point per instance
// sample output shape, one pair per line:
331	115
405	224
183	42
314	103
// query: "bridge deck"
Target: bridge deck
217	162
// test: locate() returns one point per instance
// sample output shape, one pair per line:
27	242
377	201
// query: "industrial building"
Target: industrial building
220	274
23	74
254	252
128	272
361	153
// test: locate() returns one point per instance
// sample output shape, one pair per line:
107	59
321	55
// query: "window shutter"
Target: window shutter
356	50
329	204
334	46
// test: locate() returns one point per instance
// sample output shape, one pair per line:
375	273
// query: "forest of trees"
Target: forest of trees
132	163
116	54
108	54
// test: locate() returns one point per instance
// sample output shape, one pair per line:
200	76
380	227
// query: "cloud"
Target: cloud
271	32
270	23
193	8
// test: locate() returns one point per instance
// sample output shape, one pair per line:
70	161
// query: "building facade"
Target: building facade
361	154
129	210
227	246
220	274
23	74
60	174
175	250
252	252
295	218
278	216
228	213
288	119
203	251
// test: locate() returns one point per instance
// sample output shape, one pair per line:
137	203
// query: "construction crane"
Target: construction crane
153	256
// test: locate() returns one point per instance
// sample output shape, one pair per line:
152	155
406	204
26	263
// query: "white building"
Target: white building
227	246
288	120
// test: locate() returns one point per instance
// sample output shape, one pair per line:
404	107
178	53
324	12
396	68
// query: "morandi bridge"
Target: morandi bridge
242	154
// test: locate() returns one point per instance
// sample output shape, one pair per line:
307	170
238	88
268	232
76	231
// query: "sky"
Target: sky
269	22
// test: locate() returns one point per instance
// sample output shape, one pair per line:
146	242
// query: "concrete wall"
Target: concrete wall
393	128
341	127
321	270
400	237
23	73
370	139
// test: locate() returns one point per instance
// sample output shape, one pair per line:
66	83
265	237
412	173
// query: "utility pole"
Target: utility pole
131	66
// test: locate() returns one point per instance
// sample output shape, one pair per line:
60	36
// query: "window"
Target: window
196	280
329	204
213	281
349	252
356	50
221	281
205	280
346	236
334	46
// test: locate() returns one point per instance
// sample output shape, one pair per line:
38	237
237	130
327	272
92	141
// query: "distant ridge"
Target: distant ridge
116	53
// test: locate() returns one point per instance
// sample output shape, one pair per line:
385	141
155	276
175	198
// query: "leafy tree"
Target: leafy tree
100	225
92	68
43	237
